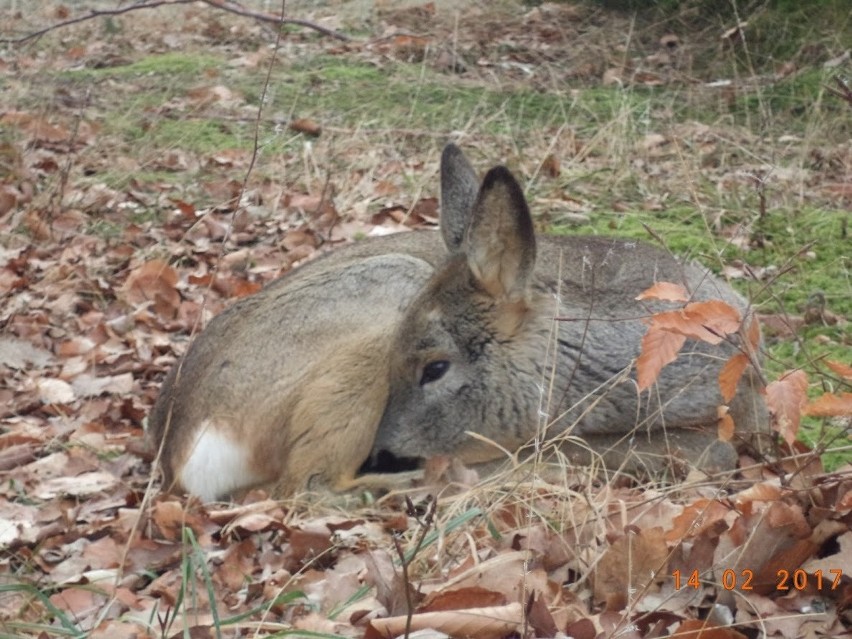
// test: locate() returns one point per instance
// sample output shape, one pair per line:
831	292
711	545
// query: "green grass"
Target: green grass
178	66
783	234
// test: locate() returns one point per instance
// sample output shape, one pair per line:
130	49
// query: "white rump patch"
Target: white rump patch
217	465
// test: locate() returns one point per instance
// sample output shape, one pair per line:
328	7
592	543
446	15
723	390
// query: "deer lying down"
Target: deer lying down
407	343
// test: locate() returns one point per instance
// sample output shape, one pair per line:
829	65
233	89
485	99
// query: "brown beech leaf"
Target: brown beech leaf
828	405
306	126
765	491
707	321
726	425
659	348
730	375
786	398
462	598
630	563
153	282
666	291
696	518
843	370
492	621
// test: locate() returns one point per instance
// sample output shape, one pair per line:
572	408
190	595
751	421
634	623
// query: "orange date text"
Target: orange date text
785	579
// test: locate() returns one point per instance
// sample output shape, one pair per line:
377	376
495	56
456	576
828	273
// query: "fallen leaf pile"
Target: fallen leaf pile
634	562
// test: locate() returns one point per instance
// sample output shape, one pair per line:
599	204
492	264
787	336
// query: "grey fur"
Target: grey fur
516	373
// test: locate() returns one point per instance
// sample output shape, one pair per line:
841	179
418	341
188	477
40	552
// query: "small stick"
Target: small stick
224	5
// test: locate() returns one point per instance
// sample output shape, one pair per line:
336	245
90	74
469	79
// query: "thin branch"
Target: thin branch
407	558
225	5
94	13
233	7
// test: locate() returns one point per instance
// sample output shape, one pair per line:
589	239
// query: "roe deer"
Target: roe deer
514	338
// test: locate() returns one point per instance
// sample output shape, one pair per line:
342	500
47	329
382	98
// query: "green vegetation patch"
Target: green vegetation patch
174	64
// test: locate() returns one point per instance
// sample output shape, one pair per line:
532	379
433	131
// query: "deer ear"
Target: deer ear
500	241
459	186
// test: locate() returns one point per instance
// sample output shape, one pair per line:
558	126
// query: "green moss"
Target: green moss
199	135
183	64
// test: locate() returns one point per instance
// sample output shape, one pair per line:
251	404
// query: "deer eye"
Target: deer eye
434	371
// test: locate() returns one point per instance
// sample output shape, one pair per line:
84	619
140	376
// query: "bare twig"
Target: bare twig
94	13
425	524
233	7
225	5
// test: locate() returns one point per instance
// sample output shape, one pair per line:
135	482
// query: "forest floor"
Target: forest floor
157	164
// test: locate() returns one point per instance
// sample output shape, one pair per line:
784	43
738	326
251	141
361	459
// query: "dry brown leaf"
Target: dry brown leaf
507	572
76	486
726	425
115	629
786	397
841	369
702	629
19	524
828	405
784	326
730	375
708	321
89	386
306	126
696	518
666	291
764	491
478	623
471	597
153	282
170	517
78	602
659	348
206	95
629	565
308	543
21	354
541	619
424	211
834	562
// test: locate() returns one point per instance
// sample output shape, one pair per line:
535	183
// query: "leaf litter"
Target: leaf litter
99	302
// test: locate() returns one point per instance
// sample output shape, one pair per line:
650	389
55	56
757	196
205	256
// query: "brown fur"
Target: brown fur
297	373
337	359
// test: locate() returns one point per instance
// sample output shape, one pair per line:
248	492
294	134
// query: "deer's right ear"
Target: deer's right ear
500	244
459	189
